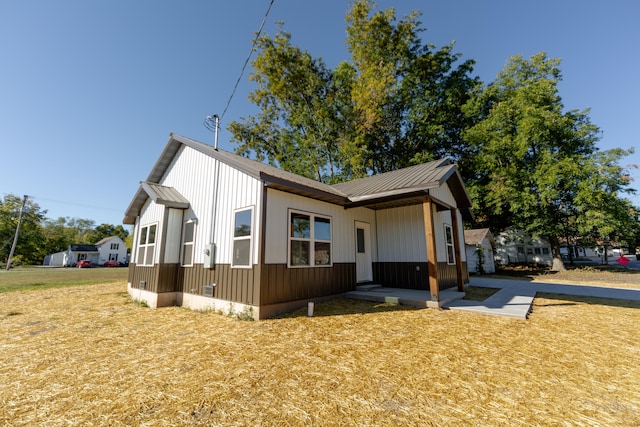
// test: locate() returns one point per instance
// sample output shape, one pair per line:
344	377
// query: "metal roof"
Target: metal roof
476	236
395	188
413	178
160	194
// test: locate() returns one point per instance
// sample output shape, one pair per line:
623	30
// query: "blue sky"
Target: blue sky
90	90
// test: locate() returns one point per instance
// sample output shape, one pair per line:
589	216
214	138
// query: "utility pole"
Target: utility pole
15	238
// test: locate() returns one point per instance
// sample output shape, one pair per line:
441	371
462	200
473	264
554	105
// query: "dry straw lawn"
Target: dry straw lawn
90	356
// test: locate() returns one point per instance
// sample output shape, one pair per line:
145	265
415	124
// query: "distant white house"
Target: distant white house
479	246
517	247
112	249
108	249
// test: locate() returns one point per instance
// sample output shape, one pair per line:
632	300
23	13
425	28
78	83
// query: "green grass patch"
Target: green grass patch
479	294
30	278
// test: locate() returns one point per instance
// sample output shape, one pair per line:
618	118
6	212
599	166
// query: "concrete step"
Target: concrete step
368	287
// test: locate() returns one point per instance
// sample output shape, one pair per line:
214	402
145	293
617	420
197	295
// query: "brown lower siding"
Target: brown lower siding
232	284
271	284
415	275
280	284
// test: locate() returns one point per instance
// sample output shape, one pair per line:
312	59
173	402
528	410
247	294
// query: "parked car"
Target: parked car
84	263
111	264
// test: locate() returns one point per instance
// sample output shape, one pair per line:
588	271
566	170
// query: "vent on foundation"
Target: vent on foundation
143	284
207	290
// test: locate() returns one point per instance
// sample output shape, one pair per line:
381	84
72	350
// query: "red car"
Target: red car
84	263
111	264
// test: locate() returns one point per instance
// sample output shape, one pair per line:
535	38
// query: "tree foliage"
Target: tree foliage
30	242
536	166
527	162
40	236
396	103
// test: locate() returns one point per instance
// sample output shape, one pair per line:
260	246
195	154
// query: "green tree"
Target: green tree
604	215
398	102
108	230
296	127
408	96
30	248
533	161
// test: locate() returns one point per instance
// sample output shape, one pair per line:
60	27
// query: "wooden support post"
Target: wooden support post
427	209
456	248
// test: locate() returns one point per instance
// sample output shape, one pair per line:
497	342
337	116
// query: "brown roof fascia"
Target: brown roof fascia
301	189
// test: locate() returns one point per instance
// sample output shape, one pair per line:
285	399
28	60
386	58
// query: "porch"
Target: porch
410	297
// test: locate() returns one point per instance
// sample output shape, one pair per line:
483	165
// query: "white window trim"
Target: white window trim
192	243
250	237
447	244
312	240
147	244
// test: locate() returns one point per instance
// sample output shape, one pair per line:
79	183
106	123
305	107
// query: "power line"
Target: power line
255	40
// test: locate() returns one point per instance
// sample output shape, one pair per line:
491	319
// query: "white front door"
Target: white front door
364	271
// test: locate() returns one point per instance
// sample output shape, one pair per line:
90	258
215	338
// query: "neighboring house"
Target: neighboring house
214	230
479	245
108	249
71	256
517	247
112	249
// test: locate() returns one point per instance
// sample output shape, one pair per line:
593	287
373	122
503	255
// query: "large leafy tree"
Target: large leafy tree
396	103
535	164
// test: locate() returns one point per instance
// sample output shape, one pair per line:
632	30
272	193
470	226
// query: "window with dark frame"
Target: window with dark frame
310	240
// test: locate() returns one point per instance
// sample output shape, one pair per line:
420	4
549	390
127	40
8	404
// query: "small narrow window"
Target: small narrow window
537	251
242	238
545	251
448	236
188	238
360	240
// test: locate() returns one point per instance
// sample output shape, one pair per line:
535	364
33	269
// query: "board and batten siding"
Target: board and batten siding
342	226
194	175
401	236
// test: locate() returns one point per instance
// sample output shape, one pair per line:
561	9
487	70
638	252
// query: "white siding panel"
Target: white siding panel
343	226
401	236
194	175
444	194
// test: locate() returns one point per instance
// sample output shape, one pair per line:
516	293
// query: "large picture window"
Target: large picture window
147	244
188	238
242	238
448	238
309	240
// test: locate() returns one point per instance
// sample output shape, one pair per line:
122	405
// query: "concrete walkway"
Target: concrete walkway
514	298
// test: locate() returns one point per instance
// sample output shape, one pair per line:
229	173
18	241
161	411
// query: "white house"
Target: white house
214	230
479	247
108	249
112	249
70	257
517	247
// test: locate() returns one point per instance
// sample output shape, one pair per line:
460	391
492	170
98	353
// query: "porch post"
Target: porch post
432	260
456	249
